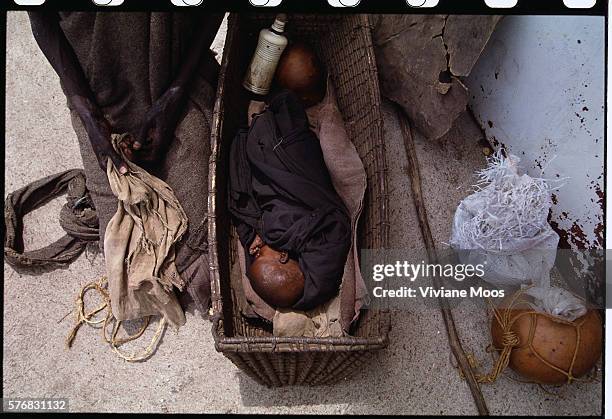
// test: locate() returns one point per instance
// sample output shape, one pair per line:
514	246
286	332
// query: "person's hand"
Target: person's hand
99	132
256	245
157	130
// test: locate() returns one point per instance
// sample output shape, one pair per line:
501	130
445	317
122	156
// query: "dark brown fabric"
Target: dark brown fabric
131	58
77	218
281	190
349	180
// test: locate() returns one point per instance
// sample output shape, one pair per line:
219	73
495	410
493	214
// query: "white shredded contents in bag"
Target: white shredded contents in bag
510	207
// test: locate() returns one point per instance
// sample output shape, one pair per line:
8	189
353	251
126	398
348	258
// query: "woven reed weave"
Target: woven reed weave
344	44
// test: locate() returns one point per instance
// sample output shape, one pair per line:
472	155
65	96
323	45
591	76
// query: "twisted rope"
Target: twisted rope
115	342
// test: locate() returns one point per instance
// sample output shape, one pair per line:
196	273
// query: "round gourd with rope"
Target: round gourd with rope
543	348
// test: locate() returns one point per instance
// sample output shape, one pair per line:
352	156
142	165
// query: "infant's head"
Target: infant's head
276	278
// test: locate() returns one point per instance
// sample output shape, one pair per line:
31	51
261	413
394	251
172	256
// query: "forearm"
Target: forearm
54	45
202	39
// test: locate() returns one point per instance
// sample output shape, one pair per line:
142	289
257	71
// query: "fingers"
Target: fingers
135	151
120	165
146	154
134	144
146	147
255	245
146	134
126	150
99	132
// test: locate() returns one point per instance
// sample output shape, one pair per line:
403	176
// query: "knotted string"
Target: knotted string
84	317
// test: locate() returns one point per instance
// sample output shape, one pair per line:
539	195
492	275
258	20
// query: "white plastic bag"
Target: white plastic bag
503	225
557	302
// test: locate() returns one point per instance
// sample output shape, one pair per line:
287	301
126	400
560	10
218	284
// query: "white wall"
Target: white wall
538	90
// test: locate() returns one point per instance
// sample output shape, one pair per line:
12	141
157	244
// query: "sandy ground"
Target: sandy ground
413	376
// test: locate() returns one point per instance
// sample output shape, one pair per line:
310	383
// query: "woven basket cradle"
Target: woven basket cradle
344	44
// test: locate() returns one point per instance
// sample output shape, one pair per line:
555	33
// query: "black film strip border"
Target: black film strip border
534	7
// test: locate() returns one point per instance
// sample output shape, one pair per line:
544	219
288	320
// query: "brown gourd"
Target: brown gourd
544	341
275	277
301	71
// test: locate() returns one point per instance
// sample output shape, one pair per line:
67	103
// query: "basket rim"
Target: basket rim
298	343
269	343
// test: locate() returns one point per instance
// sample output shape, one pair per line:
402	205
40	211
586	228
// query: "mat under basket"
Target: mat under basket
345	46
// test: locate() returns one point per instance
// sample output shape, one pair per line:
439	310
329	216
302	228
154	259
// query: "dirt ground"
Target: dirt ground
413	376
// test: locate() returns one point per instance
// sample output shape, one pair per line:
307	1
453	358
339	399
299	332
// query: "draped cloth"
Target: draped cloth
77	218
139	246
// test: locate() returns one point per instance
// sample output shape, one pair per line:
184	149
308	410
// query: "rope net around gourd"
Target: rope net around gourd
509	335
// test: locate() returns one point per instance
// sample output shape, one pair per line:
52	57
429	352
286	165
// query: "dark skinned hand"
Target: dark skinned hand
157	130
99	132
256	245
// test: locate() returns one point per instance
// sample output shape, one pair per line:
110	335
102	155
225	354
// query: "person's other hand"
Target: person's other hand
256	245
99	133
157	130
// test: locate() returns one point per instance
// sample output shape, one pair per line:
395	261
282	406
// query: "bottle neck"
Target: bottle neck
278	26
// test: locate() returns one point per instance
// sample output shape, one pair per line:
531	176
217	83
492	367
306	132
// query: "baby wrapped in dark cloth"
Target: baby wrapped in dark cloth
280	190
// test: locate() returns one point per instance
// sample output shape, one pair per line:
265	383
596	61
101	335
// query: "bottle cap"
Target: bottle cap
279	22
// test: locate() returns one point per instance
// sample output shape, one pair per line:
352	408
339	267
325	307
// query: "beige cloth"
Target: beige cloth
139	246
320	322
346	170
